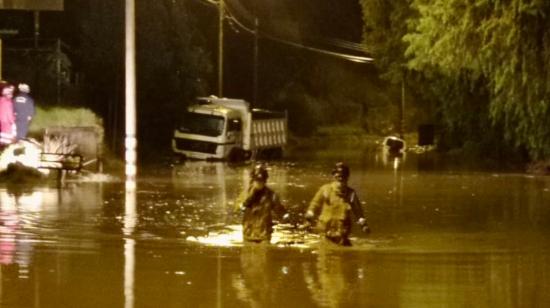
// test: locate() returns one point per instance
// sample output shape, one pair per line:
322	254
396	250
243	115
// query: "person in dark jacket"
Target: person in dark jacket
259	203
333	203
23	107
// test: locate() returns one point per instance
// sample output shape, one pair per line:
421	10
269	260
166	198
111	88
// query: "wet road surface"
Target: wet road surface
440	238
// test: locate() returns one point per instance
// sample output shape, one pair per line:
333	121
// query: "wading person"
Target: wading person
7	118
259	204
23	107
333	204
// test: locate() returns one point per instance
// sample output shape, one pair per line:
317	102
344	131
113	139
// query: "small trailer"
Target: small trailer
65	150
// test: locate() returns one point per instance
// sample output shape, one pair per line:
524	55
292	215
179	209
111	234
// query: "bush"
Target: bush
62	116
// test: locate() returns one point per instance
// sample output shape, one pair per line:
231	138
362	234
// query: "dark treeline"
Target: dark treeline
483	67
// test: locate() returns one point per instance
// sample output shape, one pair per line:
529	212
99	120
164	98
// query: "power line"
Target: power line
233	20
346	44
338	43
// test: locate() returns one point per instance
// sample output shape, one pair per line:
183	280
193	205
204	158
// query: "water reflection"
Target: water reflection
440	239
390	159
9	223
17	212
326	280
254	283
458	280
207	192
130	219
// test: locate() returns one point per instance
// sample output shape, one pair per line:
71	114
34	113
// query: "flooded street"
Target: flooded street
440	238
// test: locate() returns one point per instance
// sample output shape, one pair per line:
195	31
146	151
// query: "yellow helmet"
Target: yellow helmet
341	170
259	173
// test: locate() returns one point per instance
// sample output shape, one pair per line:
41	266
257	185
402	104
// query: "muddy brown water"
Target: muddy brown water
441	238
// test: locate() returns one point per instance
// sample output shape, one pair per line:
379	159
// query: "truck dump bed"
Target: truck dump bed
269	129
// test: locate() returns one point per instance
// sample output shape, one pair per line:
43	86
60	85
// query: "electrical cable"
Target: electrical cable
249	17
233	20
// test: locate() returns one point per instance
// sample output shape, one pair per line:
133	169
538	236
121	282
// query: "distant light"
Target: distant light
284	270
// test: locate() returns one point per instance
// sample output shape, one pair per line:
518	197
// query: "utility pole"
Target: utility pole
255	95
402	109
130	59
58	70
36	28
130	154
220	47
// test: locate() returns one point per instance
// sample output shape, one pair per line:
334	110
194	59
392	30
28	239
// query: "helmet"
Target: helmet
23	87
340	170
259	173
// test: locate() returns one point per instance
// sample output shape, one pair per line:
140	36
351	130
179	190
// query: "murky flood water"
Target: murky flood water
440	239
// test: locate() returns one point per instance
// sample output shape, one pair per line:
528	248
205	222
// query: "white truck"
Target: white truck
228	129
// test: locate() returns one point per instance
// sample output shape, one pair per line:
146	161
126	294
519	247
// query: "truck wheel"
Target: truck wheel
236	155
178	158
272	153
277	153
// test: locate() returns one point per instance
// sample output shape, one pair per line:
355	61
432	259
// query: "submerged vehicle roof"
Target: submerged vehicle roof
229	102
224	106
213	104
210	109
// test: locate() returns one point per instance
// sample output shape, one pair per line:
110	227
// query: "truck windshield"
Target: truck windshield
201	124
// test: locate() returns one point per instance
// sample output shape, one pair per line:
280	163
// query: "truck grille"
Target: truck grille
196	146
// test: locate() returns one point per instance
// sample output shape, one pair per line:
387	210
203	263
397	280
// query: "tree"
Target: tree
505	46
385	24
170	50
483	63
172	65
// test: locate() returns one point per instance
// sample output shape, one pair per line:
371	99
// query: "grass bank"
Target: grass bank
62	116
